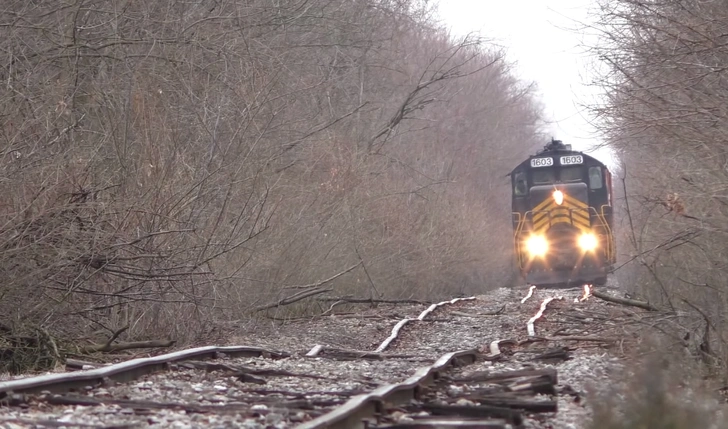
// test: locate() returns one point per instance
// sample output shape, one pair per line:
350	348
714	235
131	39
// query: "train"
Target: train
563	218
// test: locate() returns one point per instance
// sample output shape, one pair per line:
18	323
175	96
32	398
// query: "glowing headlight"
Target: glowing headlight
537	245
558	197
588	242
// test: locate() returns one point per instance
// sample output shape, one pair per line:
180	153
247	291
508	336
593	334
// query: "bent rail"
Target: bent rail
124	371
352	414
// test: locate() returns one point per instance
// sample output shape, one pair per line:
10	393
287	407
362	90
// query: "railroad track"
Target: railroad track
484	362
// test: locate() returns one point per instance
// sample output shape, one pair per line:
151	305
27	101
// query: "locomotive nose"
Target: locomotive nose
562	252
562	217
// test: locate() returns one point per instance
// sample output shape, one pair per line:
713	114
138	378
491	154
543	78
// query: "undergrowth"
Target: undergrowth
660	392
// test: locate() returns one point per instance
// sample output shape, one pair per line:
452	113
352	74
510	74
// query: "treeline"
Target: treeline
170	165
666	114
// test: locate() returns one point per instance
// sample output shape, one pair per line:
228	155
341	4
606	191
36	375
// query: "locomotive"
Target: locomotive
562	217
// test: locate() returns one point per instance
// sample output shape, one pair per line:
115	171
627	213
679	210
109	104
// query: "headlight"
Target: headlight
588	242
558	197
537	245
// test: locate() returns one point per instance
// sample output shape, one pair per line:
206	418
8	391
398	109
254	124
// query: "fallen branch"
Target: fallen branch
337	316
237	370
554	355
76	364
532	406
475	411
331	308
141	404
115	335
323	282
293	298
56	424
433	422
487	313
109	348
547	374
704	346
271	395
624	301
343	354
187	407
581	338
374	301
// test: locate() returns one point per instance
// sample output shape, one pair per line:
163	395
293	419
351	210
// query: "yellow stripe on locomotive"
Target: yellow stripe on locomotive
560	208
571	211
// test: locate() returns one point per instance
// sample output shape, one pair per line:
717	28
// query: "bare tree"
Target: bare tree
169	165
665	114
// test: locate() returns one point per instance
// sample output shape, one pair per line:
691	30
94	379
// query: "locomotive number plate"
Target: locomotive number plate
542	162
572	159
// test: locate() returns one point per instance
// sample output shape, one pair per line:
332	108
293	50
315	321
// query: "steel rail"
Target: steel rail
400	325
125	371
354	413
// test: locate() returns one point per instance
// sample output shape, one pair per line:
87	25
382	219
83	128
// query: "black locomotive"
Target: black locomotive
562	218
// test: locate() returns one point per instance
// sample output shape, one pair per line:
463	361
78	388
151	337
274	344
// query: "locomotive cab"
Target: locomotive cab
562	217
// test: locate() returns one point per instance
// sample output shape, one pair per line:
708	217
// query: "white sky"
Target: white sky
545	38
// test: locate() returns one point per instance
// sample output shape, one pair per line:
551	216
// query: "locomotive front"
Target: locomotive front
562	217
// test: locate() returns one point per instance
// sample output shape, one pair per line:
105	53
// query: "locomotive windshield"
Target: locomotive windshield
595	178
571	174
547	176
543	176
521	187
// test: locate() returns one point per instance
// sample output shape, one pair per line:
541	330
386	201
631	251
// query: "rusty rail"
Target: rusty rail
400	325
125	371
354	413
